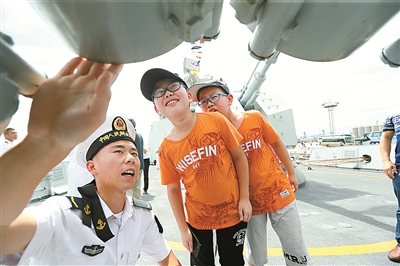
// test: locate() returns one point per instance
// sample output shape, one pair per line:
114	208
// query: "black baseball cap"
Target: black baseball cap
154	75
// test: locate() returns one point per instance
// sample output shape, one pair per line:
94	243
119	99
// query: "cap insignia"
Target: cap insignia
119	124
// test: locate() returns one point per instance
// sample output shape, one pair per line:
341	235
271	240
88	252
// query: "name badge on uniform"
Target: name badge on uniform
92	250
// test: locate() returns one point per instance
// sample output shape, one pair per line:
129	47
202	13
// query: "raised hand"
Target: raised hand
70	106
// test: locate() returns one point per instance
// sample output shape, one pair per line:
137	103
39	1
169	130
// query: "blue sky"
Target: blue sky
367	90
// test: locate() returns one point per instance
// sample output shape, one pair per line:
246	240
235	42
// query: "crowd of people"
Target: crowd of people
228	163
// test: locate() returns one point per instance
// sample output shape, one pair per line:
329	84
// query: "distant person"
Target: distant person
310	148
304	148
146	159
202	151
139	144
10	135
391	128
299	148
271	190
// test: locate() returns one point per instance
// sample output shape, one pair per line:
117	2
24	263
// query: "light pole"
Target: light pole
330	105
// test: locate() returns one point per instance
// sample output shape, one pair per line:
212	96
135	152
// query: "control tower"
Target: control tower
330	105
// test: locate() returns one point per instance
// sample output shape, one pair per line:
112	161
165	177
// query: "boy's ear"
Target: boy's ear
230	99
190	96
157	111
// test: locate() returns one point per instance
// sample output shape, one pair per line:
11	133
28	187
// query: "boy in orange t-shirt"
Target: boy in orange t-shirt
271	190
203	151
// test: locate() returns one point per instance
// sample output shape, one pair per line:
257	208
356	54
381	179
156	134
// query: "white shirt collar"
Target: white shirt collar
127	212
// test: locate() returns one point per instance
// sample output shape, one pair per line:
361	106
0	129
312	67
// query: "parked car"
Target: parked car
373	137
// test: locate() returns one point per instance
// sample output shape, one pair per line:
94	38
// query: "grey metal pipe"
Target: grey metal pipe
391	54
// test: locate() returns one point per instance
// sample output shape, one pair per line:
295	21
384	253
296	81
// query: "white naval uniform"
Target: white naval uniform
60	236
5	146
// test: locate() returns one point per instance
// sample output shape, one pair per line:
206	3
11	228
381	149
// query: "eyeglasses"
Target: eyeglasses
212	99
172	87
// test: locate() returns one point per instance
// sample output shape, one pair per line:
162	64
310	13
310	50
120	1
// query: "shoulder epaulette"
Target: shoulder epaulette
77	203
141	204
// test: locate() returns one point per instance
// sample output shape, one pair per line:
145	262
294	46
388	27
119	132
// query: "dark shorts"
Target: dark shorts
228	241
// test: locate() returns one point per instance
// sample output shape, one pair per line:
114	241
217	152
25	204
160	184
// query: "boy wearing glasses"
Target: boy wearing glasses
203	151
271	191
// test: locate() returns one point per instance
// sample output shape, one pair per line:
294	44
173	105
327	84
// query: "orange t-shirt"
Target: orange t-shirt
269	186
203	161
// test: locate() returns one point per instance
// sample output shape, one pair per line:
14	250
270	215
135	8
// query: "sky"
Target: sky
367	90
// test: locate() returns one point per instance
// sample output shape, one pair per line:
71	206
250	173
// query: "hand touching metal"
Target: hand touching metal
70	106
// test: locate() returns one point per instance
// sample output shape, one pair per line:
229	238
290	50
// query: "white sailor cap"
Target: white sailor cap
113	129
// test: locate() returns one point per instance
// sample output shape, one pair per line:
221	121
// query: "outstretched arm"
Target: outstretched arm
65	110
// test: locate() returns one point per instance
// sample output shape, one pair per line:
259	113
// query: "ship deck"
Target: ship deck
347	215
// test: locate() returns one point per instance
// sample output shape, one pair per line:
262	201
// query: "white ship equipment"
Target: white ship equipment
133	31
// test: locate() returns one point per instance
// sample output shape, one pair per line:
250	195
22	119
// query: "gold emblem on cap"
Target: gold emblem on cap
119	123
